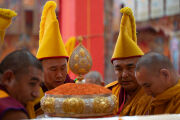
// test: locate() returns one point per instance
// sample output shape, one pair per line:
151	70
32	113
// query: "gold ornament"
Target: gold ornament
89	59
101	105
73	105
47	104
82	70
76	57
80	61
115	101
83	61
76	66
82	52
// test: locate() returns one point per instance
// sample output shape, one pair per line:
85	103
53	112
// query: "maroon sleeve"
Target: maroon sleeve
68	79
9	103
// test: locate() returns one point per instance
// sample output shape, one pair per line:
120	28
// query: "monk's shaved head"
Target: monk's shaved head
155	73
154	62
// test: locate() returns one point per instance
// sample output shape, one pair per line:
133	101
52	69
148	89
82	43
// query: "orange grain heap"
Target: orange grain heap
78	89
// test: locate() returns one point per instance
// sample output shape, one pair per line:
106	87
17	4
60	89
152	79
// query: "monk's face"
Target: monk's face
55	72
153	83
23	86
125	72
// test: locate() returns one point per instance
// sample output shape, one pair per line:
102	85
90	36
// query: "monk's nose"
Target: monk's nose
125	74
59	75
36	94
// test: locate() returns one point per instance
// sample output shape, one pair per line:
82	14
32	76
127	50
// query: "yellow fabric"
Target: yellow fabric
115	91
111	84
166	102
134	107
70	45
6	16
30	106
141	106
131	107
126	45
30	110
50	40
3	94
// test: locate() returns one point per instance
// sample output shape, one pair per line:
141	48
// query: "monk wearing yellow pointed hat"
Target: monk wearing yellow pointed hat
125	56
52	54
51	50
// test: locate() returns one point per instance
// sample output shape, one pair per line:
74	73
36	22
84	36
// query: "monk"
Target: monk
52	54
94	77
51	50
156	74
124	59
20	77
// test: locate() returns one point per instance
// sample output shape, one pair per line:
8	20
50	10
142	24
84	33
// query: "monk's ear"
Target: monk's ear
8	78
165	74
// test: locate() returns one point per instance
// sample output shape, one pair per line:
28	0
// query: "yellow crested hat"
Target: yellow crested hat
50	41
126	45
6	16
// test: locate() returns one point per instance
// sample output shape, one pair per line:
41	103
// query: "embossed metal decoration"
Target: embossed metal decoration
79	105
101	105
47	105
80	61
73	105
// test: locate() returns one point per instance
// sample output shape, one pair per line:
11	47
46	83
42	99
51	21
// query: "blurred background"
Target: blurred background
157	22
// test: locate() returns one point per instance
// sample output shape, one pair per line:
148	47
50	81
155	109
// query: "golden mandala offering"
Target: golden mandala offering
79	100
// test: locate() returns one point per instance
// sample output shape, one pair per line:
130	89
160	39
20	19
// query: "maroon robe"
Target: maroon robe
9	103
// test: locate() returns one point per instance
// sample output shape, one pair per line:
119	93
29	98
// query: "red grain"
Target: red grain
78	89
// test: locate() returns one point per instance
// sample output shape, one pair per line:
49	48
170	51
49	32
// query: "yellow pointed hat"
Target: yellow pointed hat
126	45
50	41
6	16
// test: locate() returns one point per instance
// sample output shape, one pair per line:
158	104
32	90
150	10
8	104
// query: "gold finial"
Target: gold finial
80	39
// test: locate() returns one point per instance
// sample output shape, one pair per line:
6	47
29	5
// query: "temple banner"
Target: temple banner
157	8
172	7
142	10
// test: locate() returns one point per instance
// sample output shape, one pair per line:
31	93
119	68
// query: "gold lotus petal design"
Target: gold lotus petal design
88	65
73	105
82	70
76	57
83	61
101	105
82	52
76	66
47	105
